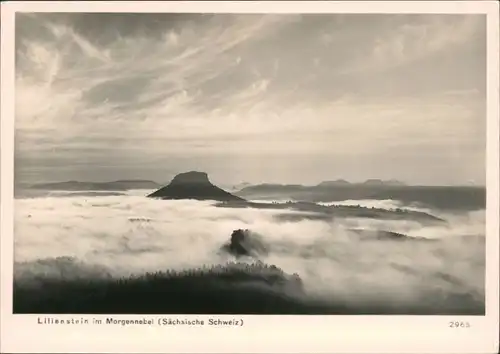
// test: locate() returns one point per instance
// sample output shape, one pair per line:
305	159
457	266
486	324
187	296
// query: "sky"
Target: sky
274	98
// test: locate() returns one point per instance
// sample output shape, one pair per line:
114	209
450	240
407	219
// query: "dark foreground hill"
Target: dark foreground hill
233	288
193	185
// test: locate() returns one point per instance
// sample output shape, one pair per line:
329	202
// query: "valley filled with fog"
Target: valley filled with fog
68	235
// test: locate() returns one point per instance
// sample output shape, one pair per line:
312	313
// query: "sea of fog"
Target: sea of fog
130	234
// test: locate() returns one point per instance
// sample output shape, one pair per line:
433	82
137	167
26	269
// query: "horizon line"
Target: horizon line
250	184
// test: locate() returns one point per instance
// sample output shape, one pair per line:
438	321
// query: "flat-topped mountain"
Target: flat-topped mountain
193	185
379	182
120	185
368	182
338	182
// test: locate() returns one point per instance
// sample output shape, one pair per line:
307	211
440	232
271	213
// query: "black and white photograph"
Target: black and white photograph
255	163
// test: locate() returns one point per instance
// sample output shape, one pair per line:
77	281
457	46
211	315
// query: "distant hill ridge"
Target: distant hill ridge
368	182
338	182
332	183
119	185
379	182
442	197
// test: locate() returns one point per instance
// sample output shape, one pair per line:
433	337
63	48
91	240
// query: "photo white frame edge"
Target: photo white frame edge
293	334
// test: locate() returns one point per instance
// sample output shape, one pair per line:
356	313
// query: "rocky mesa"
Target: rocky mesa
193	185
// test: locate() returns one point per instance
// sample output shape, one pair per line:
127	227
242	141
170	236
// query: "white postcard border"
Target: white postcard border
293	334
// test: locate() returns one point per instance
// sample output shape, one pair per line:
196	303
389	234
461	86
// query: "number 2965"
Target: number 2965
458	324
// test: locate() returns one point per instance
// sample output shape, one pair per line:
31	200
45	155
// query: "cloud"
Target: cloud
193	86
404	43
